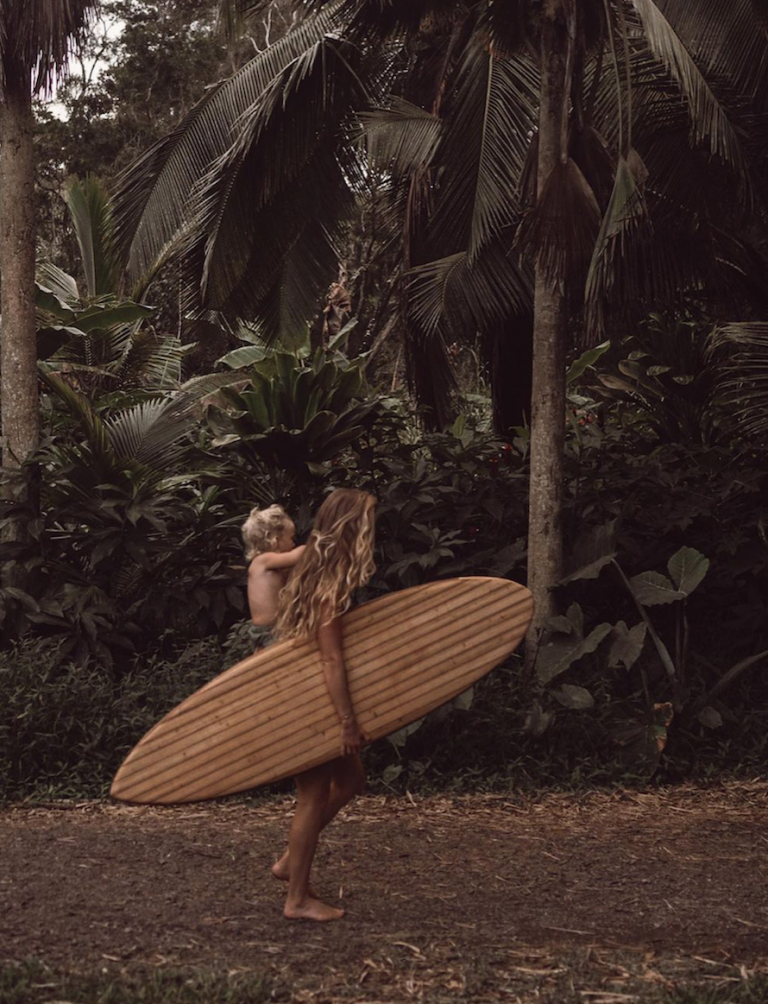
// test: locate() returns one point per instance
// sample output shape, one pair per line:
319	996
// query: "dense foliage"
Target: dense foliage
162	427
142	503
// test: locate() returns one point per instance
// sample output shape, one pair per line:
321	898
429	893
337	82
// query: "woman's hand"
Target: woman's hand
352	736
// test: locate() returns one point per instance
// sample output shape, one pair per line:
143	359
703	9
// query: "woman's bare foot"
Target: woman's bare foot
312	909
282	873
281	869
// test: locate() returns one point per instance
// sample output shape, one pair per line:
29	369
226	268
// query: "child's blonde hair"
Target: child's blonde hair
338	558
263	528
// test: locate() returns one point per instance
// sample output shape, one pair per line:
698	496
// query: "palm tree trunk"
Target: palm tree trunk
549	337
18	350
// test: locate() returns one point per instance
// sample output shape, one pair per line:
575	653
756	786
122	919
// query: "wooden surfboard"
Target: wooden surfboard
270	716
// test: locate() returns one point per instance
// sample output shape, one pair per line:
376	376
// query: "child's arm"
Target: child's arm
329	637
281	559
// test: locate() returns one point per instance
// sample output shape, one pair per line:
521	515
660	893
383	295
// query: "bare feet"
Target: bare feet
282	873
312	909
281	869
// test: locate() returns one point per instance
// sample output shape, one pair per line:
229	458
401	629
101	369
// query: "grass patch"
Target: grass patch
751	991
34	983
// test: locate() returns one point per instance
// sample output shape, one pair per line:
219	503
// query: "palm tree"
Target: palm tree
508	135
35	39
101	340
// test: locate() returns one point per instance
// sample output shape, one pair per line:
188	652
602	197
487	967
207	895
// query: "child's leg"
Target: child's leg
313	793
347	780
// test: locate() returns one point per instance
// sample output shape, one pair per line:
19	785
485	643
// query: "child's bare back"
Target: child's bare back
266	577
269	538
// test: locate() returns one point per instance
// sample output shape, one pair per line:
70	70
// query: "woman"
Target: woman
337	560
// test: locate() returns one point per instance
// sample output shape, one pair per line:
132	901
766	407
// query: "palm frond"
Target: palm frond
58	282
152	201
560	231
459	295
741	351
377	23
82	409
267	250
88	205
401	138
232	15
710	124
430	374
36	37
623	223
149	360
590	151
728	40
148	433
488	126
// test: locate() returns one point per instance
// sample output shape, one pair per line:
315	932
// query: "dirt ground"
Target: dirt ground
481	898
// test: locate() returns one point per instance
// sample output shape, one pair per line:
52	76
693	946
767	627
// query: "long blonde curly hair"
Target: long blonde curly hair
338	558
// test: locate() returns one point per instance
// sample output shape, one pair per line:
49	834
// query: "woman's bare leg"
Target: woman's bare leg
313	794
347	780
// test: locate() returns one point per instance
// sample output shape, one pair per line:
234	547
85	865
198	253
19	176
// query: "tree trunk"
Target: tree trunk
18	348
545	545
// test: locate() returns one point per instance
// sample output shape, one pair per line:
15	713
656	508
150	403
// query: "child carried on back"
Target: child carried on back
270	548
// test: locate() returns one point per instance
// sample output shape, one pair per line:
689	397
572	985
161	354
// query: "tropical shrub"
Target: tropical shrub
290	415
453	503
98	337
131	522
65	728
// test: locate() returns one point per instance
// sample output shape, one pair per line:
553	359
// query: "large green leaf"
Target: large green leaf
571	696
559	653
585	361
687	568
101	316
51	303
88	206
246	355
653	589
627	645
594	549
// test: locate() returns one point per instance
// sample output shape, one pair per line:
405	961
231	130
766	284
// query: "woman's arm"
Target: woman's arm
329	639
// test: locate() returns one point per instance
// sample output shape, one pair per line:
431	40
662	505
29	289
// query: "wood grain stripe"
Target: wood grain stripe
248	769
252	692
323	717
437	641
239	710
292	654
432	679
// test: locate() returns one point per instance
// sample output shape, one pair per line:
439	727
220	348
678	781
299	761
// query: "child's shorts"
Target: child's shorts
261	636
